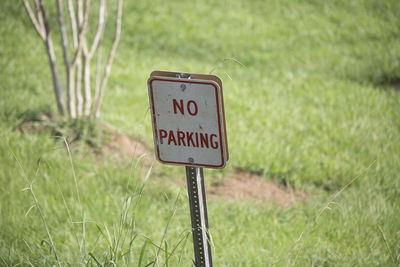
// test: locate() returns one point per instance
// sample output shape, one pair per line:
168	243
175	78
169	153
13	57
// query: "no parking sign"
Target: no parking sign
189	129
188	119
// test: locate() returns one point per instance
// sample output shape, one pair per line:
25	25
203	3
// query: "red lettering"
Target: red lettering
191	107
189	136
197	139
162	134
179	106
171	137
204	140
214	144
190	139
193	113
181	138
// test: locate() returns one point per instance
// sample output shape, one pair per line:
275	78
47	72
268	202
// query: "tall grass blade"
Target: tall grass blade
83	246
68	212
222	61
73	171
344	188
176	246
166	228
297	246
94	258
130	249
29	210
104	235
387	244
183	247
3	260
166	253
142	250
37	204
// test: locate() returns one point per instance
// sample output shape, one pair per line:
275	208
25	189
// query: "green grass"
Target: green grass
313	108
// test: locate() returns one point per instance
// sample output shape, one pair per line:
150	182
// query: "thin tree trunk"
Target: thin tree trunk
78	86
84	70
68	67
75	68
98	67
99	97
57	86
71	93
87	100
78	50
42	27
72	18
88	55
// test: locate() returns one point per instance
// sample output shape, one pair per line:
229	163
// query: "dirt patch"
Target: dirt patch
103	140
126	148
238	185
247	186
36	124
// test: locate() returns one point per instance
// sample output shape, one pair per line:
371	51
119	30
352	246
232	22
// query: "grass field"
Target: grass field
315	108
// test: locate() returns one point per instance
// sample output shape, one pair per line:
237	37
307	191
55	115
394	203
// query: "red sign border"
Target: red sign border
154	120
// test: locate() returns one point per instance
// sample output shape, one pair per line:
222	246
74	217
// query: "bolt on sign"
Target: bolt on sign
188	119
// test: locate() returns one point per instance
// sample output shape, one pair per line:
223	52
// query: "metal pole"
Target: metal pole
199	217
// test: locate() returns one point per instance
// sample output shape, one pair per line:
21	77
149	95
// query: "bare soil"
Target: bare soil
237	185
248	186
126	148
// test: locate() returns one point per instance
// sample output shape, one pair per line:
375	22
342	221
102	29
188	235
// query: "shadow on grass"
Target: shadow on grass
388	82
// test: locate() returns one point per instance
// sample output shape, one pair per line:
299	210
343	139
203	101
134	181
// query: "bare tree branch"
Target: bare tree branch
100	27
85	74
87	97
71	12
83	21
87	55
33	19
82	28
80	12
78	87
64	37
45	19
40	14
110	59
98	65
64	44
78	58
57	86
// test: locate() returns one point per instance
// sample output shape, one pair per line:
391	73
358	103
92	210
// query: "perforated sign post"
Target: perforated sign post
189	129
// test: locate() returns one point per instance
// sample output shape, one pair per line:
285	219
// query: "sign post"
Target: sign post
199	216
189	129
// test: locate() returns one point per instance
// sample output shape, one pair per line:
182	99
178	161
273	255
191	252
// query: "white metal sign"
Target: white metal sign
188	119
